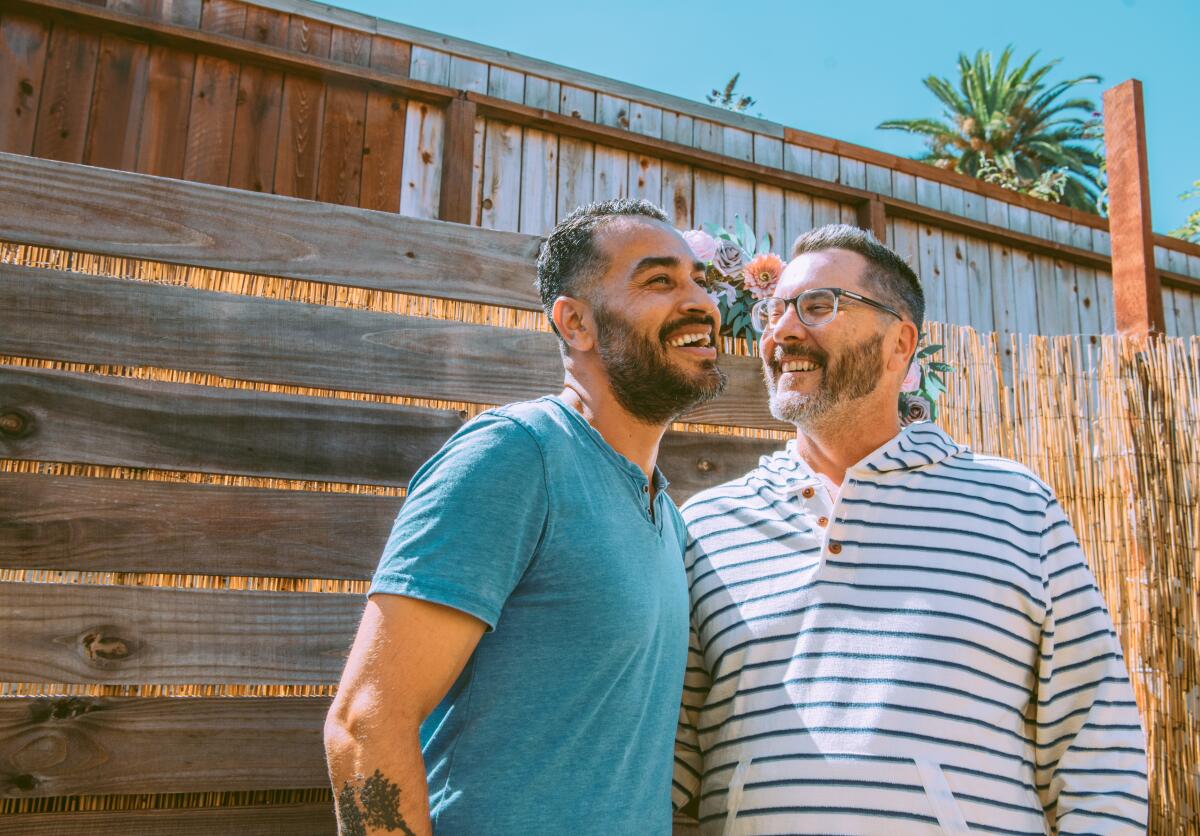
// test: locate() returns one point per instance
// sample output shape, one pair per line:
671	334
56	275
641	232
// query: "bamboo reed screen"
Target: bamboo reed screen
1112	429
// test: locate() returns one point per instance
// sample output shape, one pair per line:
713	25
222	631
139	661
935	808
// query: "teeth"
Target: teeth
799	366
688	339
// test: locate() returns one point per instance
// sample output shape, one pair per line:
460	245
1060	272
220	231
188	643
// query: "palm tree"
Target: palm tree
1018	121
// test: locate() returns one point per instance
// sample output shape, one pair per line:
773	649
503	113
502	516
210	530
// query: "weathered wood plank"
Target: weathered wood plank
852	172
677	194
769	216
259	105
261	820
1050	308
506	84
576	161
161	745
214	100
932	259
120	214
383	135
461	172
826	212
430	65
708	198
86	319
90	419
539	182
127	525
500	202
645	178
66	98
610	174
1003	305
738	144
825	165
23	43
879	179
424	129
117	102
645	119
678	128
1026	309
798	220
339	172
768	151
542	93
303	113
163	137
466	74
958	309
979	286
73	633
798	159
739	201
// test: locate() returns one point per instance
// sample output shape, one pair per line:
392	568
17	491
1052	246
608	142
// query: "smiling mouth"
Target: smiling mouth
799	366
692	339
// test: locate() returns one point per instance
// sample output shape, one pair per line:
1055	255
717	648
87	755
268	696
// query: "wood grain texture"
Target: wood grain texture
117	103
500	201
739	202
798	219
260	820
97	746
66	98
303	113
113	421
259	107
339	173
769	216
539	182
214	100
125	525
677	194
164	128
421	184
383	140
645	178
576	162
115	213
76	633
23	45
932	260
87	319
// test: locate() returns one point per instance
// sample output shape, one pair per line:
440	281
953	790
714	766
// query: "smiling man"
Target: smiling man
890	633
520	662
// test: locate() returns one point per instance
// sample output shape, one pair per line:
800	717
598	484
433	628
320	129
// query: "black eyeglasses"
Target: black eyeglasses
815	307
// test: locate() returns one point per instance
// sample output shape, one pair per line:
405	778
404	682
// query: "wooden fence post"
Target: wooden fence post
1137	294
458	162
872	216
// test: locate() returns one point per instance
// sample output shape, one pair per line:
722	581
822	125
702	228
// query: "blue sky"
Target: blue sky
839	69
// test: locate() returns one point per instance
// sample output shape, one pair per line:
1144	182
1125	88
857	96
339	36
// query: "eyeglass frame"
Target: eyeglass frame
794	302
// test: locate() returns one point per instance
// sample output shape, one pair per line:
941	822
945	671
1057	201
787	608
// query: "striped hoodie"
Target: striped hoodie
925	652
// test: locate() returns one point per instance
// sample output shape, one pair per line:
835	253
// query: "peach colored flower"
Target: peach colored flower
762	274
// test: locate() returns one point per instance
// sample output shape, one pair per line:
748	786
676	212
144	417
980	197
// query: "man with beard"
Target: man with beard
891	634
520	662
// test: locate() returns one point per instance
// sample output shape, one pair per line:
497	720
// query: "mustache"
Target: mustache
706	321
781	354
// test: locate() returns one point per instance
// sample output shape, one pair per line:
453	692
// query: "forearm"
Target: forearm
378	779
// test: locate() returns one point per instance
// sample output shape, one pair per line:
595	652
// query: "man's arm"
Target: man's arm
685	785
1091	753
405	657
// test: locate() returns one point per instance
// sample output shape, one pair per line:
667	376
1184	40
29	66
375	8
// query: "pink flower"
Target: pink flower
912	380
703	245
762	274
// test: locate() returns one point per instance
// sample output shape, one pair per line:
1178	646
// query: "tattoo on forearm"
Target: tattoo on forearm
376	804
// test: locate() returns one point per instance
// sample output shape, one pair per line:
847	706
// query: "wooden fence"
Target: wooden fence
294	98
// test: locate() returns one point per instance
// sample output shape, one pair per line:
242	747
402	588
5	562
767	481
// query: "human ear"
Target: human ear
573	320
905	347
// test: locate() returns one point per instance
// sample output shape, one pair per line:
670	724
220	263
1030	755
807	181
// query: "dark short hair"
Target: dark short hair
889	275
569	260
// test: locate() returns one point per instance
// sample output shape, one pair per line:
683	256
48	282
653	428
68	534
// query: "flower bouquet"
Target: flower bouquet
741	269
922	386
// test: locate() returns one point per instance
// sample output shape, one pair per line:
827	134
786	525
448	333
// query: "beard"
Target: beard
852	375
644	379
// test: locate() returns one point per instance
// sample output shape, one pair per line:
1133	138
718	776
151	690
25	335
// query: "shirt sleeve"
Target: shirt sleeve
685	785
1090	748
474	517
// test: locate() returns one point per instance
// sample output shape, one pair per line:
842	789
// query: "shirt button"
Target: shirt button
808	493
835	548
823	521
645	489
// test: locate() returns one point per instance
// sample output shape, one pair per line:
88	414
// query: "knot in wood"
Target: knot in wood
98	646
25	783
14	424
704	466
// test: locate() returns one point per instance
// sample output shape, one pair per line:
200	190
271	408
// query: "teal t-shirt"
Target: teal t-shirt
563	720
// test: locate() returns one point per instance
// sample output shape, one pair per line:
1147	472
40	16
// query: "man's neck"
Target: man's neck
833	446
633	439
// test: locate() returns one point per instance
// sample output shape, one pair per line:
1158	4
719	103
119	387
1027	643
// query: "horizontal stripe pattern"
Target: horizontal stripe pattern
955	623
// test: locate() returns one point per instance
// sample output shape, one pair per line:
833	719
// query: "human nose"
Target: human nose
699	303
789	326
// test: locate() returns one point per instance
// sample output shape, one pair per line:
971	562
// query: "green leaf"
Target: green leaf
942	367
928	350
